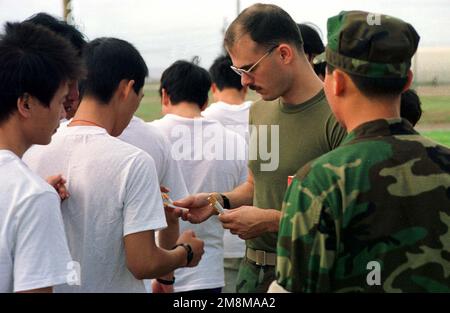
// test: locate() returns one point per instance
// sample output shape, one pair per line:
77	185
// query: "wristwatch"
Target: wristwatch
165	281
188	248
226	201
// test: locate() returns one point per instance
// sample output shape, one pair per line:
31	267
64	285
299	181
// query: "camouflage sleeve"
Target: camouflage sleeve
306	238
335	132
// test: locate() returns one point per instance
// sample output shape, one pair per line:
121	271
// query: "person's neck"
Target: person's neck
185	109
305	84
92	113
12	138
229	96
364	110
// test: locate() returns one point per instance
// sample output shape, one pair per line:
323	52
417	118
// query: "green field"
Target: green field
436	110
150	107
441	136
435	120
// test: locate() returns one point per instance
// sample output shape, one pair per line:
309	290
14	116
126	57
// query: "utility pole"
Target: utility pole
67	11
238	7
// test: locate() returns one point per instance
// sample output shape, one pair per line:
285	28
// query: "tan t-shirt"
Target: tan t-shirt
306	131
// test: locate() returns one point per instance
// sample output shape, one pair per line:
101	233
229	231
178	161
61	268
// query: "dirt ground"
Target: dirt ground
440	90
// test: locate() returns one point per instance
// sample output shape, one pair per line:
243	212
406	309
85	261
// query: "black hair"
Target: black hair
222	75
313	45
267	25
109	61
34	61
185	81
376	87
63	29
410	106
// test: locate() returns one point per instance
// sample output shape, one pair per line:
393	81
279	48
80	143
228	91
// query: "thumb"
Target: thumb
189	232
226	217
185	202
54	179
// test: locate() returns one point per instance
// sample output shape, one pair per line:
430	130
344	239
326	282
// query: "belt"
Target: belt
261	257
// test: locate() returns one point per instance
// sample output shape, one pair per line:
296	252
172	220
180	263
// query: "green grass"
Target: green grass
441	136
150	108
436	110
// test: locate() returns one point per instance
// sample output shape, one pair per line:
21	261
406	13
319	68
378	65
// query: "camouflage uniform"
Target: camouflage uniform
383	195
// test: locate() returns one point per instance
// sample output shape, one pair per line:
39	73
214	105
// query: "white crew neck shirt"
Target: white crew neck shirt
114	192
235	117
33	246
193	144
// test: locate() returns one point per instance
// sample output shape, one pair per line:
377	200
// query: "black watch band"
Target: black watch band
165	281
226	202
190	253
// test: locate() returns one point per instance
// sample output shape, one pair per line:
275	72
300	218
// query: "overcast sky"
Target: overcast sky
167	30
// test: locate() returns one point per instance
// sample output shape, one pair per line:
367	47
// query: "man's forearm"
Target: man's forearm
241	195
168	237
273	218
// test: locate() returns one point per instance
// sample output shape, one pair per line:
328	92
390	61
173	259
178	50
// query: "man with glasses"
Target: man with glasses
266	48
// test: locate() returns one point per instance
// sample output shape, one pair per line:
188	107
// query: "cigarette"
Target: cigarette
167	201
213	202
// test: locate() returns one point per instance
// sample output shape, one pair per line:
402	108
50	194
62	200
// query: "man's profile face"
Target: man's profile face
46	119
128	108
244	54
72	100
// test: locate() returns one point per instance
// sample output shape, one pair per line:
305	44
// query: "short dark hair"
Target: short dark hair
222	75
376	87
410	106
109	61
186	81
60	27
312	45
267	25
36	61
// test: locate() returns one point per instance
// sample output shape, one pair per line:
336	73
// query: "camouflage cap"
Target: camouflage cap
370	45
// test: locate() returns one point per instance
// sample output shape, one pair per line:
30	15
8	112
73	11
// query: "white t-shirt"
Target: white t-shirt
151	140
33	246
234	117
114	192
211	158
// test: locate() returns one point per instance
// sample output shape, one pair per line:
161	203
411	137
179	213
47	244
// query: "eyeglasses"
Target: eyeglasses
241	71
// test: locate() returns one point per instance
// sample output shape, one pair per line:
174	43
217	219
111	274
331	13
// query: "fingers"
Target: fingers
169	209
189	232
164	189
185	202
227	217
58	182
62	191
54	179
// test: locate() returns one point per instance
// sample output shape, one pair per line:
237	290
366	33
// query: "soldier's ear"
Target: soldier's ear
339	82
409	81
